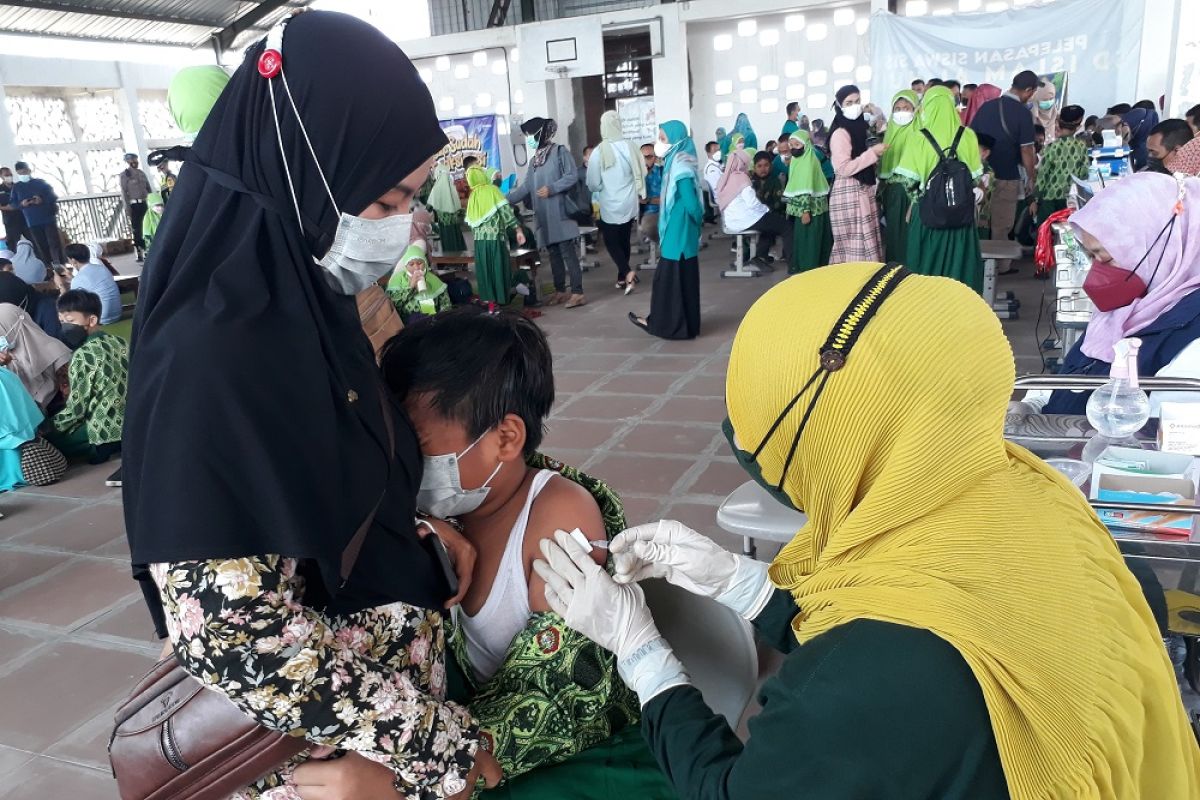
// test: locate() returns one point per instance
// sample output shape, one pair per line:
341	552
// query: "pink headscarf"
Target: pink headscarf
983	93
1126	218
734	179
1186	159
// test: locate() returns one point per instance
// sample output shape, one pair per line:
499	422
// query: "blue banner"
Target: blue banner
470	136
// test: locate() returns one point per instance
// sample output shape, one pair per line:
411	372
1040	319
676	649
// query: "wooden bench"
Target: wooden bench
127	283
465	259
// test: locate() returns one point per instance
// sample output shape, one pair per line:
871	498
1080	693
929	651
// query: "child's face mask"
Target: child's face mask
442	494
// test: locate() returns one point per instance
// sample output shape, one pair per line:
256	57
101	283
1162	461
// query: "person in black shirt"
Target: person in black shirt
14	221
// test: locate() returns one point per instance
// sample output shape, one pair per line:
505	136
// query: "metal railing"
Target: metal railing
94	217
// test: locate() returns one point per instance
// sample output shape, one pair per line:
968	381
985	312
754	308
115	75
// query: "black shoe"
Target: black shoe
114	480
637	322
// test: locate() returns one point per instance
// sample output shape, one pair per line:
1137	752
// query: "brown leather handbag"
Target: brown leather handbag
176	739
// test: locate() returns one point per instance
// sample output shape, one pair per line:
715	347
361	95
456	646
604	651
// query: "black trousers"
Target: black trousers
137	212
14	228
772	226
616	242
675	299
48	243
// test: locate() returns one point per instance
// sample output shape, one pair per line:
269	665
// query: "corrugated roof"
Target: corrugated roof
193	23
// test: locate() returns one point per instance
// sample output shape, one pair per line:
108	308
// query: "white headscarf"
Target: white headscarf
613	137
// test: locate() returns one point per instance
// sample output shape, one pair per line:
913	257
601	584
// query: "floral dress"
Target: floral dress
370	682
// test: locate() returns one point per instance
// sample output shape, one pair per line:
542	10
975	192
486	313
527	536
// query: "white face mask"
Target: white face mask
363	250
23	178
441	493
661	148
869	117
852	111
902	117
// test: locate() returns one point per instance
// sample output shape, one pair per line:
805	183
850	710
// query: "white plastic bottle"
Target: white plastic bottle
1120	408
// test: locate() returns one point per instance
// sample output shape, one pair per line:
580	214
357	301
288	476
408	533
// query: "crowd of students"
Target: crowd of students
867	179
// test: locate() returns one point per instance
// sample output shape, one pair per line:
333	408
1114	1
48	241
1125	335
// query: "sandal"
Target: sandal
576	300
555	299
641	323
633	281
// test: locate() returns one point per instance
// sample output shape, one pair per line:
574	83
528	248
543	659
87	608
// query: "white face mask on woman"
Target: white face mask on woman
363	250
661	148
853	111
902	118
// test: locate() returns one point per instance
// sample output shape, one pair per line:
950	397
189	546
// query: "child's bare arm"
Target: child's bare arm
562	505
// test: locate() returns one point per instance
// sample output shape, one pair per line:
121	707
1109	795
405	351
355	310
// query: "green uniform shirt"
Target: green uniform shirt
1061	159
98	374
868	710
770	192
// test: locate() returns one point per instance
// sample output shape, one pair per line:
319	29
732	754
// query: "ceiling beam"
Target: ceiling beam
119	13
247	21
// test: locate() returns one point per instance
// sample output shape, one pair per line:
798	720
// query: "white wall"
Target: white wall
764	65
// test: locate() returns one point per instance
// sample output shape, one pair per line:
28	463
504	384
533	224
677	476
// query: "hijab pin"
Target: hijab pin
351	396
270	63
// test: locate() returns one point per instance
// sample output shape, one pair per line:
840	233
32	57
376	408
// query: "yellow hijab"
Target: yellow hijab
920	514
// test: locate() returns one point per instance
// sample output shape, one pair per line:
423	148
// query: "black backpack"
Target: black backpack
949	199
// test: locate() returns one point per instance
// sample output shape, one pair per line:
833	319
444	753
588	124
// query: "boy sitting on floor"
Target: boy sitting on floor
89	425
478	388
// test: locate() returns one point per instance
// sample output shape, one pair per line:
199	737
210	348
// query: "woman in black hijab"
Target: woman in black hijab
853	212
261	451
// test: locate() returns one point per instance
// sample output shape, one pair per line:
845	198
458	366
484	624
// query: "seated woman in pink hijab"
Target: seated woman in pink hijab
1149	225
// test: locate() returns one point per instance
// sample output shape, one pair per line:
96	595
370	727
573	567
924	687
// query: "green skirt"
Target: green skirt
493	271
895	203
952	253
811	244
620	768
450	232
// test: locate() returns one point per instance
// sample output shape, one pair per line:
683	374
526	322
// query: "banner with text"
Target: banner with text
1097	41
470	136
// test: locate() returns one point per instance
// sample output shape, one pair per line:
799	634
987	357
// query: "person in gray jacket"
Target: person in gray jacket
548	186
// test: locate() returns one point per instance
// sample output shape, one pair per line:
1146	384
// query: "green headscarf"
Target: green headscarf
192	93
937	115
485	199
443	197
152	218
804	171
898	136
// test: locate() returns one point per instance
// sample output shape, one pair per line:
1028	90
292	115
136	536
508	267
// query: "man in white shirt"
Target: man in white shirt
712	175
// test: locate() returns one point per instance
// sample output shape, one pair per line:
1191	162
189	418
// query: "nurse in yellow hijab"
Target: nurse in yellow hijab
956	622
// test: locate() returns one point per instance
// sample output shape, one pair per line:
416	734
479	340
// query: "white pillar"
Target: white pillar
8	141
879	5
131	124
672	88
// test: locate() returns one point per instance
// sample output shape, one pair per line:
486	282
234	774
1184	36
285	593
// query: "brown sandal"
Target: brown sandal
576	300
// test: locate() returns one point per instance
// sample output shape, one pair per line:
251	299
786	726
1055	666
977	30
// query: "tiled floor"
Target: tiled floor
641	413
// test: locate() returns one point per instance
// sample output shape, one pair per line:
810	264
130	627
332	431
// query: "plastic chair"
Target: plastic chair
713	642
751	513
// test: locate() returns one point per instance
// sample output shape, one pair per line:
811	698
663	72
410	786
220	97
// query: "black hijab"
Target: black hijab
254	422
858	129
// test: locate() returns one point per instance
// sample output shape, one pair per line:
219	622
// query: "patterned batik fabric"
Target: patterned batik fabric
497	226
556	693
41	462
98	375
1062	159
371	682
807	203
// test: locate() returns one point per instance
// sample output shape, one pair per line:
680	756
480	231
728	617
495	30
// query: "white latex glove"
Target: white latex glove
978	195
613	616
671	550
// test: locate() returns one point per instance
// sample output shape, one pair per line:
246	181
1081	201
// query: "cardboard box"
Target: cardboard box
1145	477
1179	428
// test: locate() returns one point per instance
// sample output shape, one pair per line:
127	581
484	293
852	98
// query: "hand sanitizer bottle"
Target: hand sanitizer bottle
1120	408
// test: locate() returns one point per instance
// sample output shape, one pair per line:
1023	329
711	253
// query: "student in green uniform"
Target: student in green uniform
492	220
894	189
949	252
447	211
807	198
956	623
154	211
90	423
1064	158
766	182
987	183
